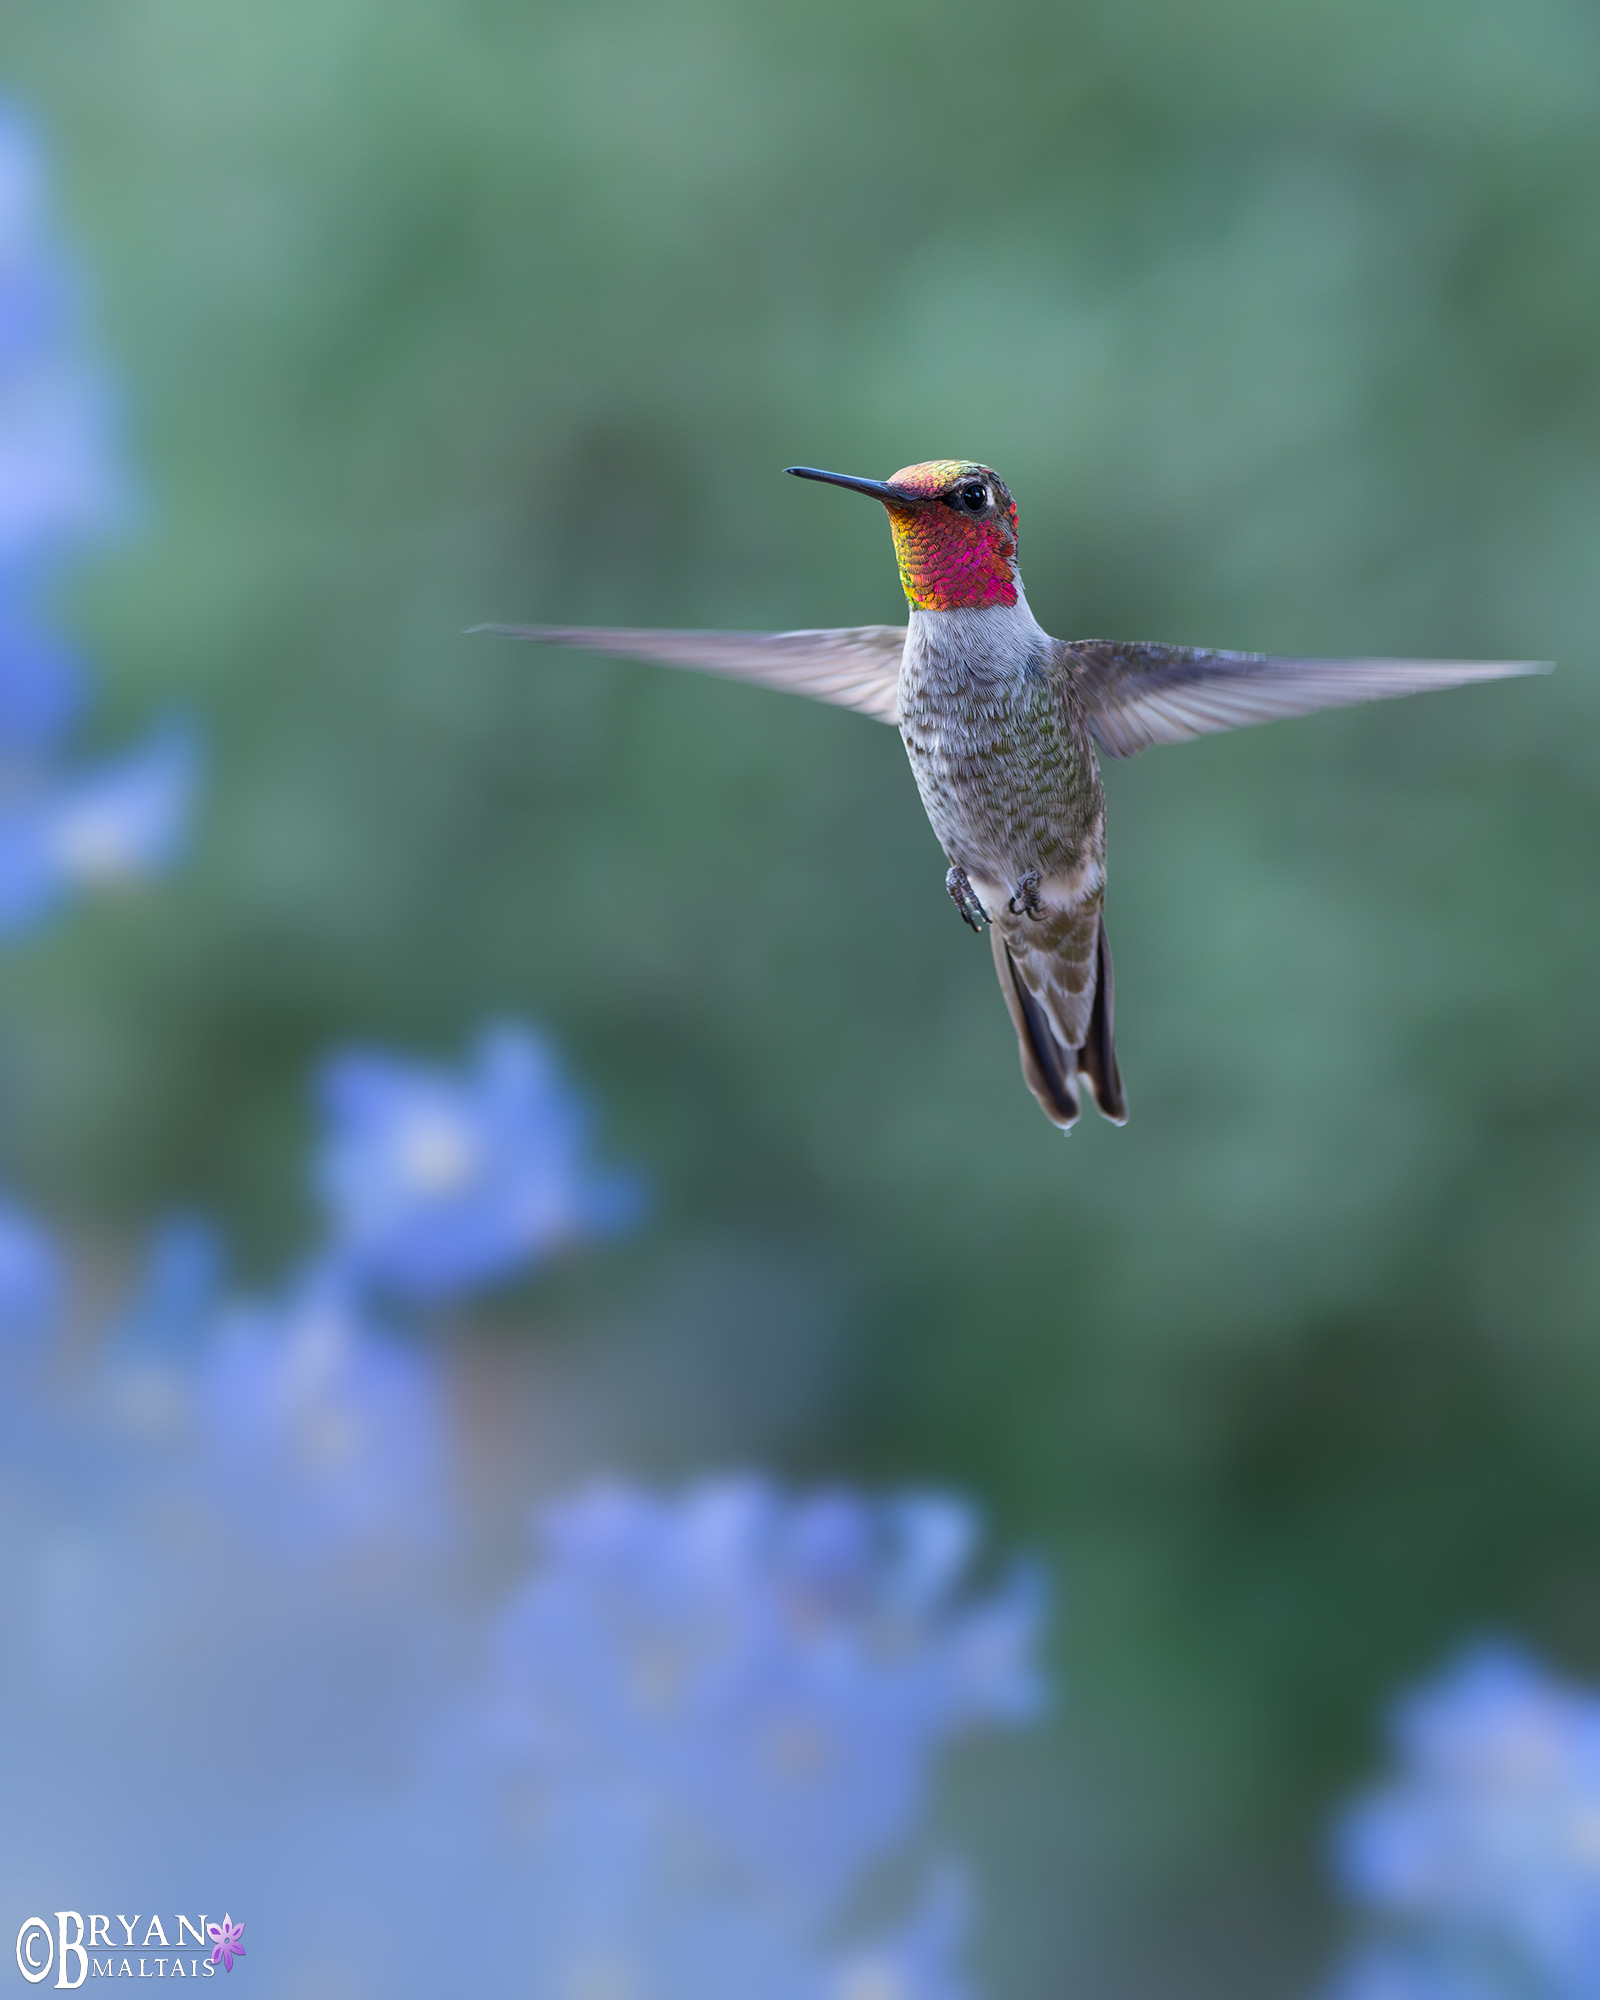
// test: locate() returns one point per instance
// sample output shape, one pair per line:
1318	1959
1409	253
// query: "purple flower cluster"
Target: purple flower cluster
1479	1861
721	1712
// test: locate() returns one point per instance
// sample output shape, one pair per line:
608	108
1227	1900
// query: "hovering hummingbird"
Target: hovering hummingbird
1002	722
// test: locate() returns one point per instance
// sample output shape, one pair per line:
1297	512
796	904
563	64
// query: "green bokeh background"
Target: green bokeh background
1284	326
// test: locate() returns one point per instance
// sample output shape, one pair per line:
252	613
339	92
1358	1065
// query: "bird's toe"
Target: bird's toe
966	899
1026	900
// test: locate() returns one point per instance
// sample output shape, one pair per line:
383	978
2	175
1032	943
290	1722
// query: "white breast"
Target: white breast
968	651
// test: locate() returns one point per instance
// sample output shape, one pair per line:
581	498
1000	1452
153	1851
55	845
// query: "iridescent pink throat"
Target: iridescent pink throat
948	560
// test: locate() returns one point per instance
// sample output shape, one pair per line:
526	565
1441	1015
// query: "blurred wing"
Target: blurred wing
857	667
1137	694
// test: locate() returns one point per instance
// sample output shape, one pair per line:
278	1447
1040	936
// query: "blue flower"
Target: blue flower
1489	1835
721	1711
106	827
436	1183
152	1349
59	479
605	1912
921	1960
176	1298
60	486
42	686
1394	1971
321	1430
124	819
776	1675
31	1279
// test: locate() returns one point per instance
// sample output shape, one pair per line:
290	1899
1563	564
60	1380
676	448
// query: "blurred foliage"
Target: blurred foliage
1284	326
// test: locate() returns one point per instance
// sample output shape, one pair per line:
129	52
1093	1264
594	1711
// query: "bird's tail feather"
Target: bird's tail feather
1050	1069
1098	1057
1051	1074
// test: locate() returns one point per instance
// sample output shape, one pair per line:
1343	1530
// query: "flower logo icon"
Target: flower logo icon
227	1947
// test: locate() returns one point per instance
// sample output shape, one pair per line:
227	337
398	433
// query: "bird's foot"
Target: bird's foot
1025	900
965	898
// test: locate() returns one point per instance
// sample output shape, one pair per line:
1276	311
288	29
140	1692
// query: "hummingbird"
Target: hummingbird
1004	727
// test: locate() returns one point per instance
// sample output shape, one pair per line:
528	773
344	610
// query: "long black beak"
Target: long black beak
876	487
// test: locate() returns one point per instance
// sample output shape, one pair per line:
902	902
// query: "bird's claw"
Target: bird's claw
1025	900
965	898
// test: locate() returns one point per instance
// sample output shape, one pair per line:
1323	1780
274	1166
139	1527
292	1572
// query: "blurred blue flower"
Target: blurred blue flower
31	1278
605	1912
773	1676
60	485
919	1961
35	302
123	819
438	1182
715	1715
151	1352
1487	1841
106	827
42	686
178	1291
59	478
1393	1971
321	1430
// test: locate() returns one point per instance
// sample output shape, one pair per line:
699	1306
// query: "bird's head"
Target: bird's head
955	531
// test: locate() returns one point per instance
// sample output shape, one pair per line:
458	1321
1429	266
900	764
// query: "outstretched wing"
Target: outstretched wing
857	667
1137	694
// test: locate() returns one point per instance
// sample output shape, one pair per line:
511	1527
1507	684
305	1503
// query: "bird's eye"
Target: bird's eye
974	497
